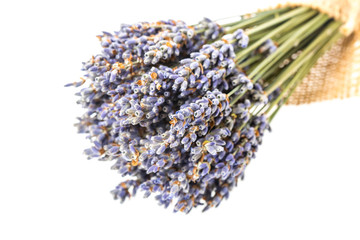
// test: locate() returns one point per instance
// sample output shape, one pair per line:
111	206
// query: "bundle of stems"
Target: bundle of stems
302	35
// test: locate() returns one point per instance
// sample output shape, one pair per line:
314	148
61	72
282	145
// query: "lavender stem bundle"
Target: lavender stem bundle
182	110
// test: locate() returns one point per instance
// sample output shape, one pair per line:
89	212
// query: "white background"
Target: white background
304	182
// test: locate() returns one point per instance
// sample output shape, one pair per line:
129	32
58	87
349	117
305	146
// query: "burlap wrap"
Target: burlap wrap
337	73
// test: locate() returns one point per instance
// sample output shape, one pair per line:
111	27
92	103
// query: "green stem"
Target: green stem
293	41
250	60
288	56
301	74
256	19
291	23
307	54
280	19
255	37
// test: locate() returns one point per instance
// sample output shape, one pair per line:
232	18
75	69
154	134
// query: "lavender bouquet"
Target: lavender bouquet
182	109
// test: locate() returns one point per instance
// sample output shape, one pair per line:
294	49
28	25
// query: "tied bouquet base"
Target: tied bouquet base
182	110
